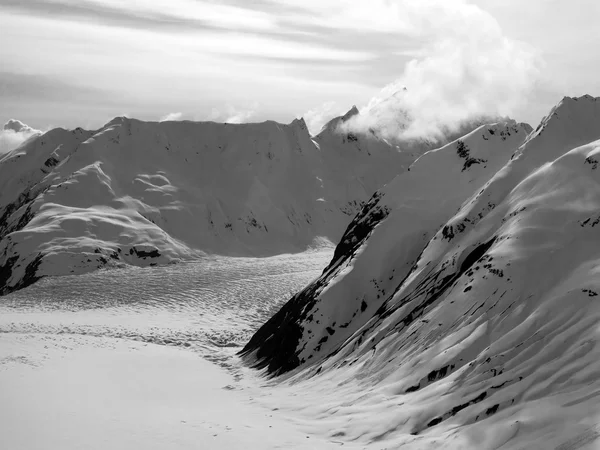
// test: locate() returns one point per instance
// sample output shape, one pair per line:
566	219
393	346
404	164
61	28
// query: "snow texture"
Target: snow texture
460	304
117	359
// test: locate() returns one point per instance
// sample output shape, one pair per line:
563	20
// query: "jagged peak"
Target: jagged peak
351	113
571	107
299	122
586	97
572	104
334	123
119	120
527	127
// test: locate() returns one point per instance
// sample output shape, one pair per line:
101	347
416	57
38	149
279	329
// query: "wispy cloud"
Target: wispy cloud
224	29
156	14
171	117
230	114
14	133
289	55
216	14
317	117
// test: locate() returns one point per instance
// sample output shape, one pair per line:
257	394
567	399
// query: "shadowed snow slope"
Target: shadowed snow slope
466	288
146	193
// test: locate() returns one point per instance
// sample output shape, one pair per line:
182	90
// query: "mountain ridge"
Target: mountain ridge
146	193
461	320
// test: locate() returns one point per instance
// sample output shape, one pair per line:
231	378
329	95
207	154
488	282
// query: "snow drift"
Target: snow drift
464	289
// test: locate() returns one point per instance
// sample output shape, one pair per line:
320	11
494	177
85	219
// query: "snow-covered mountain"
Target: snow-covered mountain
465	289
147	193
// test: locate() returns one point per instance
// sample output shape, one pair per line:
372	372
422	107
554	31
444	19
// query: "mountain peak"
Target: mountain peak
119	120
351	113
573	104
572	115
299	122
334	123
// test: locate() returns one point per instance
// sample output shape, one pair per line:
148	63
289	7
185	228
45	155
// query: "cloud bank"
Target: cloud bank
468	69
14	133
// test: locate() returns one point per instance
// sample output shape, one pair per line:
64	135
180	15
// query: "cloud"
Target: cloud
290	54
319	116
171	117
18	127
469	69
229	114
13	134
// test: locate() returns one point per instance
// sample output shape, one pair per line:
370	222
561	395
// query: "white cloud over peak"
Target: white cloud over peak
14	133
230	114
457	57
469	69
317	117
171	116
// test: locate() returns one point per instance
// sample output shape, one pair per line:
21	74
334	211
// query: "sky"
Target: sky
76	63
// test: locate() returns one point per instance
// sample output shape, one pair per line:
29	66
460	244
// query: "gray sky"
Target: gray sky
81	62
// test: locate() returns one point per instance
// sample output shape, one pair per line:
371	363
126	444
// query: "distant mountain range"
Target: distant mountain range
148	193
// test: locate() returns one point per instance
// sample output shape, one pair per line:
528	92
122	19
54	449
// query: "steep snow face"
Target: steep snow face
22	172
381	245
349	157
147	193
465	298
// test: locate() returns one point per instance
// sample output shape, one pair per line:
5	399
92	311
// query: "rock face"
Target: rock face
478	266
147	193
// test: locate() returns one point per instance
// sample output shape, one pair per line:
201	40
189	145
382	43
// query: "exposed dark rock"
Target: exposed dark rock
434	422
458	409
592	161
11	208
143	253
492	410
6	272
275	345
362	225
464	152
52	161
29	278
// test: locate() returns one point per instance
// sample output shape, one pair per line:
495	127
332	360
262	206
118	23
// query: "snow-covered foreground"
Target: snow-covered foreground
76	392
144	358
119	359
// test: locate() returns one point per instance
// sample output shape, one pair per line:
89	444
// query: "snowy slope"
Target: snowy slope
388	235
469	298
348	157
147	193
